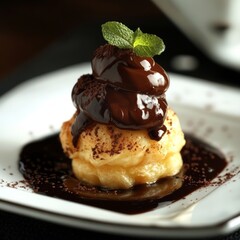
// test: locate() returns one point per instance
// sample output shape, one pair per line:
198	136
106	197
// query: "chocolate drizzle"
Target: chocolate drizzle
124	90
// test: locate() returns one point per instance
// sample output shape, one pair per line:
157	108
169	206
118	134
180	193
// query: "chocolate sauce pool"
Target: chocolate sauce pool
48	171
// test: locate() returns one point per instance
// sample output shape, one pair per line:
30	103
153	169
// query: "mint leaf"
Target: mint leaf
147	45
118	34
142	44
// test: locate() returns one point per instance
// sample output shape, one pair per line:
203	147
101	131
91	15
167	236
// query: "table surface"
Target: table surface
37	37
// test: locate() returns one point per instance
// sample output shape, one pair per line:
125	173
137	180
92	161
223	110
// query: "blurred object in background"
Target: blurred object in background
27	28
37	37
213	25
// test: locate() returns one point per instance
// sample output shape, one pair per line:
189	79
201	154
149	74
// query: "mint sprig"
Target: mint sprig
143	44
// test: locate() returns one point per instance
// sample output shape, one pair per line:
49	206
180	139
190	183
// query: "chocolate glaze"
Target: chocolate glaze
123	89
48	171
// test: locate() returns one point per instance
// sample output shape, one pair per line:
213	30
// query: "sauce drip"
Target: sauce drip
48	171
124	89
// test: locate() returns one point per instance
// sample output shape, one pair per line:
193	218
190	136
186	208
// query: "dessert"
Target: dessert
123	133
123	149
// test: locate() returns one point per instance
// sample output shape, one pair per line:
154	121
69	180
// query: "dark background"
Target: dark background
37	37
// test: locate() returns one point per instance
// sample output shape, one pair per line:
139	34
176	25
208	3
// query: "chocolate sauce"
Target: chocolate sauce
124	89
48	171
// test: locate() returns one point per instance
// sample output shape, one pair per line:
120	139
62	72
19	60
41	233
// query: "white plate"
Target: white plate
38	107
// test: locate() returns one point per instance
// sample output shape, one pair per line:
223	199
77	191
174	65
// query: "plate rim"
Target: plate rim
222	228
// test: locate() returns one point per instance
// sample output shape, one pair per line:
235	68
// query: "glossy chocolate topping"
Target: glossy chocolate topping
124	89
